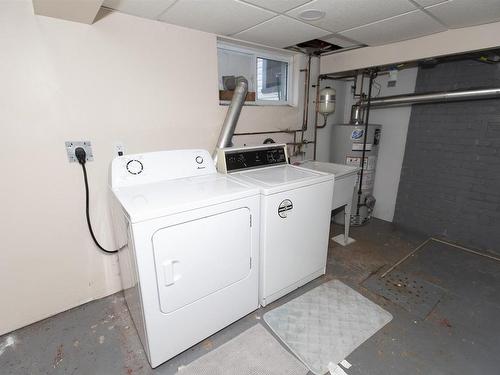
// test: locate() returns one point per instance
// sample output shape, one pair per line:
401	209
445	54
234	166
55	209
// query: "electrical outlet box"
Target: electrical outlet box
119	149
72	145
393	78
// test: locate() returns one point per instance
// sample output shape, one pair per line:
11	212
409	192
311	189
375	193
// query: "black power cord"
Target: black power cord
81	156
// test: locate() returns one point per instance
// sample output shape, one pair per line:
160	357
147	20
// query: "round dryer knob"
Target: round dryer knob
134	166
199	159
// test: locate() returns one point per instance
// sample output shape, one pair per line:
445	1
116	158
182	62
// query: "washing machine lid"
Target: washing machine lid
338	170
149	201
283	177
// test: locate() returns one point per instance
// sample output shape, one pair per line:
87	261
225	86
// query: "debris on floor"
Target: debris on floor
459	336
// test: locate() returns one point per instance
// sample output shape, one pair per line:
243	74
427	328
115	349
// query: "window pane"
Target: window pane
271	79
232	63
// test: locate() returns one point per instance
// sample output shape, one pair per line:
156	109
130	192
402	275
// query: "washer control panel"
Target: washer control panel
239	159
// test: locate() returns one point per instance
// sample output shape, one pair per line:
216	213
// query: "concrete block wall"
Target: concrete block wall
450	180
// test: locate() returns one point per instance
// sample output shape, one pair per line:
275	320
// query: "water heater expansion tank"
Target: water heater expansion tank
326	104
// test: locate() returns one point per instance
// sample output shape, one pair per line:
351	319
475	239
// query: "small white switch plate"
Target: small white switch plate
119	149
72	145
393	78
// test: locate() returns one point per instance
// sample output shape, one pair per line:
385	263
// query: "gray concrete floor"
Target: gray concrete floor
461	335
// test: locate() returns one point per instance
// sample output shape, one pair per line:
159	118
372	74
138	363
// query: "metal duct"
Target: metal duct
444	96
232	115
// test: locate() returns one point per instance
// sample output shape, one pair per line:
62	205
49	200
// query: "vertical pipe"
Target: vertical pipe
361	86
316	118
307	78
307	86
232	116
294	143
373	74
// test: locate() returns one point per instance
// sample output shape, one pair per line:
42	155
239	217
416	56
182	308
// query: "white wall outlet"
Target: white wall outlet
119	149
72	145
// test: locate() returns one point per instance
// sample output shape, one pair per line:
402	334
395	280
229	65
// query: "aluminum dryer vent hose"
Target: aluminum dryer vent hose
232	116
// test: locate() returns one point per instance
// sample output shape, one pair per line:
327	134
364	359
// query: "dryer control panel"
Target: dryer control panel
244	158
152	167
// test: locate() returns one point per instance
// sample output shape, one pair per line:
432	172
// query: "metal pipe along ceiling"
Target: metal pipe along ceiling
444	96
232	116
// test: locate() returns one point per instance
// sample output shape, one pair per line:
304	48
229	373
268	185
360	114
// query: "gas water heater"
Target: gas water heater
347	148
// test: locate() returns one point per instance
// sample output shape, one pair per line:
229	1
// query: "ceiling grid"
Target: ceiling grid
346	23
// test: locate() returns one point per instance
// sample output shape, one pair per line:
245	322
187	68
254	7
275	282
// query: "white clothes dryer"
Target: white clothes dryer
191	264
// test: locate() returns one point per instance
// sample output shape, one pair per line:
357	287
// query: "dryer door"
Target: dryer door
197	258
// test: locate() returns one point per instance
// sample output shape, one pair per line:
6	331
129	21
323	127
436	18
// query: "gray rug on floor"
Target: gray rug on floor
253	352
326	324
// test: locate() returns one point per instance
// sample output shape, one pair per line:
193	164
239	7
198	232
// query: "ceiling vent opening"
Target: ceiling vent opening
312	15
315	47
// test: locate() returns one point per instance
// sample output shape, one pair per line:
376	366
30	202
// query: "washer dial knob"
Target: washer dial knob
199	159
134	167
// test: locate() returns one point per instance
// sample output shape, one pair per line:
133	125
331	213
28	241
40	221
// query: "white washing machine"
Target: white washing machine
191	264
295	216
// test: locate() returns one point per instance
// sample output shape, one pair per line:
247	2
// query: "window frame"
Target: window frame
264	54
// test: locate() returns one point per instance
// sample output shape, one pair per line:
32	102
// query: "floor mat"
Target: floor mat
408	291
254	352
326	324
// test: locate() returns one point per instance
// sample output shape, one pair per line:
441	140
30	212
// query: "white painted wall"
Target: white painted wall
148	84
395	123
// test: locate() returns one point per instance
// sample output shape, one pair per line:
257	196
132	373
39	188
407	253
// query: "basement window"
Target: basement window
267	72
272	79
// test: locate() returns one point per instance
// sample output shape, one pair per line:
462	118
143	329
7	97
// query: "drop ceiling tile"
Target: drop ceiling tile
223	17
279	6
346	14
281	32
339	41
426	3
407	26
145	8
463	13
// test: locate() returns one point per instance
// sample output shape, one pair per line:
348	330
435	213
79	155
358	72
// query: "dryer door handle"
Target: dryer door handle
168	272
